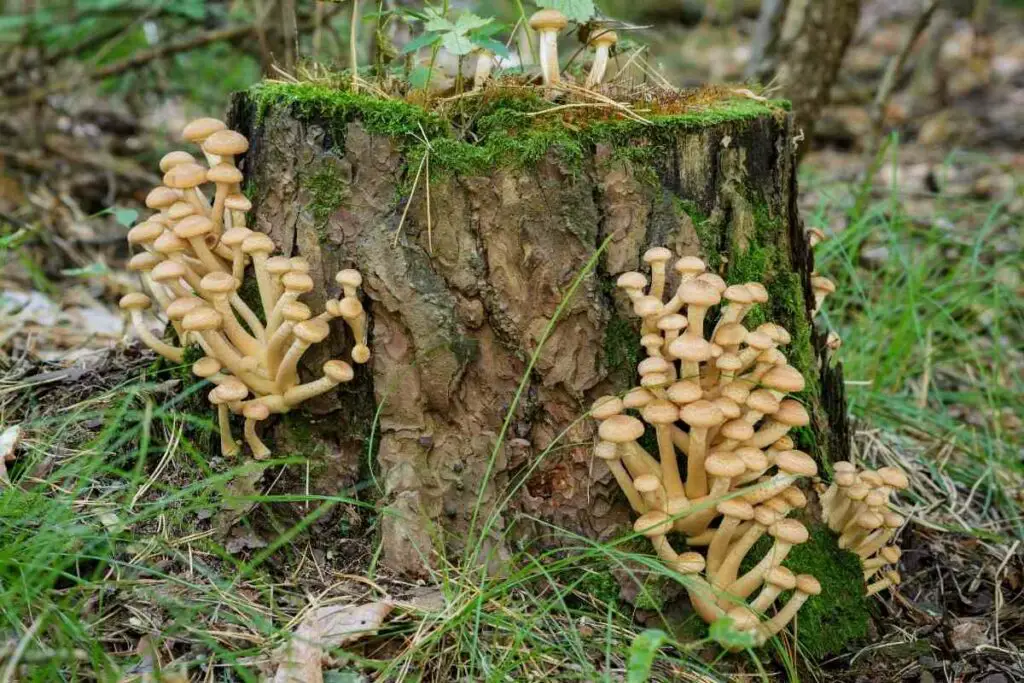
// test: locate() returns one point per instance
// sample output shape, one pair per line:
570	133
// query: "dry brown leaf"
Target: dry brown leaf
324	628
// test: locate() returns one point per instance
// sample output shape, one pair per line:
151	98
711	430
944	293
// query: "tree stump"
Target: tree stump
519	205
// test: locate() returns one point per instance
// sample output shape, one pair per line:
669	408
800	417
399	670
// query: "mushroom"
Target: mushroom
188	178
306	333
734	512
610	452
258	246
335	372
700	416
859	528
790	414
219	287
886	556
198	130
821	287
655	525
729	566
633	284
792	465
657	258
227	177
602	42
787	533
623	431
548	22
891	579
175	158
698	297
135	303
701	594
662	414
228	392
484	62
722	467
651	490
255	411
777	580
806	587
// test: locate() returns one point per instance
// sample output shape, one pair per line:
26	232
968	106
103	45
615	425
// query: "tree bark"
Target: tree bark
815	36
453	329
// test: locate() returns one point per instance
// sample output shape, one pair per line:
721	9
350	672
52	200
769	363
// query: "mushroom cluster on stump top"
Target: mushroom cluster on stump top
725	473
195	252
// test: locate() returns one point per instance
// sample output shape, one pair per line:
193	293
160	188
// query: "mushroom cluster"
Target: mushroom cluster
195	252
548	23
857	507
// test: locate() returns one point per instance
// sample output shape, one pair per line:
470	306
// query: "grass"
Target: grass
108	539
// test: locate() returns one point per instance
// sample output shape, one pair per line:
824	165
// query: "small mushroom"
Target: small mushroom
787	533
610	452
135	303
335	372
602	42
891	579
661	414
776	581
484	62
254	412
806	587
700	416
548	22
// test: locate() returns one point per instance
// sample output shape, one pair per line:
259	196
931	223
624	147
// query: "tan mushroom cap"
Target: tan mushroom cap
133	301
145	233
225	143
857	492
652	339
684	391
647	483
637	397
715	281
870	478
673	322
757	291
175	158
277	265
765	516
807	584
843	466
784	443
742	619
256	411
738	392
161	197
200	129
822	284
296	282
296	312
312	331
724	464
699	293
656	254
654	380
185	176
729	362
218	283
892	520
894	478
609	38
736	508
338	371
621	429
784	378
350	307
730	409
782	578
196	225
690	348
701	414
206	367
738	294
779	334
796	462
794	497
257	243
169	243
224	173
754	458
235	236
759	340
237	202
605	407
654	365
179	210
232	389
791	413
631	280
652	524
349	278
763	401
689	265
870	520
660	412
789	531
168	270
737	430
202	319
648	306
179	308
689	563
891	554
548	20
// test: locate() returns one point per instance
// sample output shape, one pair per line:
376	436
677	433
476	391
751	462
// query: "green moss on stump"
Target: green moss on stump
838	618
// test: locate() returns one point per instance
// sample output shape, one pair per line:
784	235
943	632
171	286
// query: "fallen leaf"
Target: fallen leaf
324	628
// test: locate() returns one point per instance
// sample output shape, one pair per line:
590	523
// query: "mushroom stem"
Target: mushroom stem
626	484
670	477
891	579
228	445
696	477
287	372
214	344
792	606
276	345
484	61
259	449
171	353
549	56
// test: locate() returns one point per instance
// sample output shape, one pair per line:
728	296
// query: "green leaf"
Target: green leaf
124	216
492	45
469	21
579	11
436	21
642	652
723	633
457	43
91	270
419	77
420	41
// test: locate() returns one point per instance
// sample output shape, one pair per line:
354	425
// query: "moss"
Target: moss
839	617
622	350
600	584
249	292
506	130
707	232
327	193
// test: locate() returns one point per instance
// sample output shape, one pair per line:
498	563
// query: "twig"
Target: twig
353	52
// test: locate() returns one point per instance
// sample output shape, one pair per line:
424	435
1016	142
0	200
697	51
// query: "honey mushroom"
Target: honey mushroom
547	23
602	42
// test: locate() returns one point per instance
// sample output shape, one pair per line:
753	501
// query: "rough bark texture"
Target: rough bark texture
452	331
814	39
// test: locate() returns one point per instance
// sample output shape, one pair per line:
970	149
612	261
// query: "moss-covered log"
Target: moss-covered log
519	204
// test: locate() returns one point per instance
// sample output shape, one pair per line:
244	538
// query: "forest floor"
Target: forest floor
97	577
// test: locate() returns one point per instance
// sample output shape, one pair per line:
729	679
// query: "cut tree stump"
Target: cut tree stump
518	207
